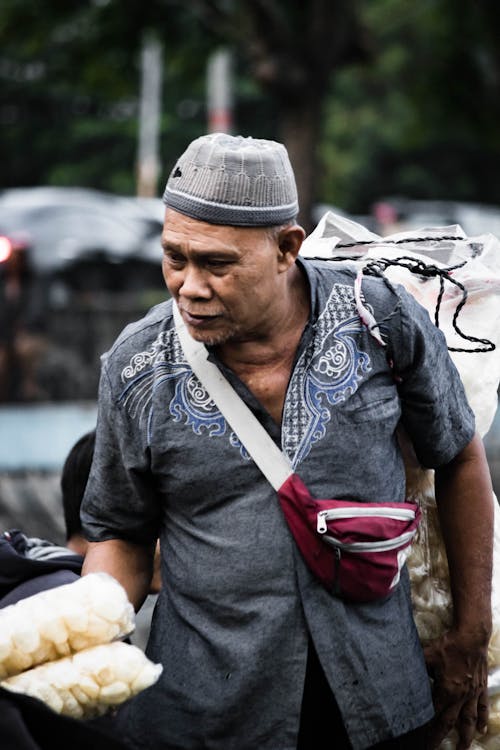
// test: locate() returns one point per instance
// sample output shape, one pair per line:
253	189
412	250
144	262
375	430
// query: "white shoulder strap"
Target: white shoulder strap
266	454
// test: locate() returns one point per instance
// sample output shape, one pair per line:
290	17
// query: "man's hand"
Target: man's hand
458	666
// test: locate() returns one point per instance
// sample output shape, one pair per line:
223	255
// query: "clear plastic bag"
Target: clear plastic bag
476	265
89	683
63	646
432	604
60	621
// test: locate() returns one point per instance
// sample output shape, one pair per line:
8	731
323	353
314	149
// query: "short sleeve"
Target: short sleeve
435	410
119	501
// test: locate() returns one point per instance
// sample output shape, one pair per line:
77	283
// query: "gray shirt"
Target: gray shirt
238	604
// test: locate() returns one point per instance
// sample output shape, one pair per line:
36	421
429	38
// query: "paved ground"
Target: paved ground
31	501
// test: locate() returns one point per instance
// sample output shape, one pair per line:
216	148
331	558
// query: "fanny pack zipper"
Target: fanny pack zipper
386	544
403	514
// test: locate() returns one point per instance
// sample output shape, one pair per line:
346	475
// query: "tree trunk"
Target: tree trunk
300	132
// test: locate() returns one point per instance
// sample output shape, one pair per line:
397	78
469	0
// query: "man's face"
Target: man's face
224	279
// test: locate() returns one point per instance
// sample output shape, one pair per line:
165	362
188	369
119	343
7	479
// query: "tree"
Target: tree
69	74
293	50
421	121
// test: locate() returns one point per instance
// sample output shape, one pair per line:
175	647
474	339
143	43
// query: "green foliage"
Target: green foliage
69	75
422	120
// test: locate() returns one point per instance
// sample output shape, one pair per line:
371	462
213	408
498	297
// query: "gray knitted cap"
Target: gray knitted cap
232	180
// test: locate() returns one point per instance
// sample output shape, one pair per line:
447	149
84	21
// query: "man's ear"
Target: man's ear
289	242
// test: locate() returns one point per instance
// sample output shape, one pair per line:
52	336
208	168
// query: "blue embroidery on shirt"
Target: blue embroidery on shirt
327	373
190	403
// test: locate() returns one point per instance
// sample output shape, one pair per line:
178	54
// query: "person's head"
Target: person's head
74	478
230	234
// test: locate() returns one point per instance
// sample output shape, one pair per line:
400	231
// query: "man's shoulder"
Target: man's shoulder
326	275
326	270
145	329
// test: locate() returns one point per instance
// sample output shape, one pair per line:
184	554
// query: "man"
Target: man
257	654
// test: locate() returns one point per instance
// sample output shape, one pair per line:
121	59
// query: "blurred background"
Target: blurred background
389	111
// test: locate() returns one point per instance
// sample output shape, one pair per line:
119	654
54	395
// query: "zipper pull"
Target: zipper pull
321	521
336	582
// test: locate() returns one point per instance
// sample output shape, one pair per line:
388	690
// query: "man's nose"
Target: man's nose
194	282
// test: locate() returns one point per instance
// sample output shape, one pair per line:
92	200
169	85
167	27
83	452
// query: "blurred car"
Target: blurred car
62	227
13	256
474	218
76	265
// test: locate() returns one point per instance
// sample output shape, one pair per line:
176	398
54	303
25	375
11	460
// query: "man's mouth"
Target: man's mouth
197	319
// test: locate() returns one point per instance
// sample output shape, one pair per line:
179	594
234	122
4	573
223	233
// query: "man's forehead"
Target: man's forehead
183	230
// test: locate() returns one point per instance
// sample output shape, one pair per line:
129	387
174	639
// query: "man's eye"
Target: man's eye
217	263
173	259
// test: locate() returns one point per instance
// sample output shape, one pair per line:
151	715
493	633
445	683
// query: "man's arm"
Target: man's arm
458	660
131	565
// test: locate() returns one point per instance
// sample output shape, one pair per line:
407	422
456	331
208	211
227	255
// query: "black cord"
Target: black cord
400	241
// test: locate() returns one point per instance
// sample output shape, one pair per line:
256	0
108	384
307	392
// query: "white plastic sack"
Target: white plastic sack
336	236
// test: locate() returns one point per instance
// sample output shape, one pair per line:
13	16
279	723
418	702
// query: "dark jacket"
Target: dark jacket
29	565
28	724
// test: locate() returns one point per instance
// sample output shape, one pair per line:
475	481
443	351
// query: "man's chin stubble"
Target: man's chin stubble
214	339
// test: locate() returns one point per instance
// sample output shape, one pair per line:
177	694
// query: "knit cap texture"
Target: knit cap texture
233	180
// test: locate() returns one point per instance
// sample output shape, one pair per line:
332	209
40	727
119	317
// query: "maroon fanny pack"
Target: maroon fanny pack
355	549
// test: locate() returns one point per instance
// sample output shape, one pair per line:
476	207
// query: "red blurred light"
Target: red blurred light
5	249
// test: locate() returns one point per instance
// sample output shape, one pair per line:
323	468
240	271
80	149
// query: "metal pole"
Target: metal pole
219	92
148	165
